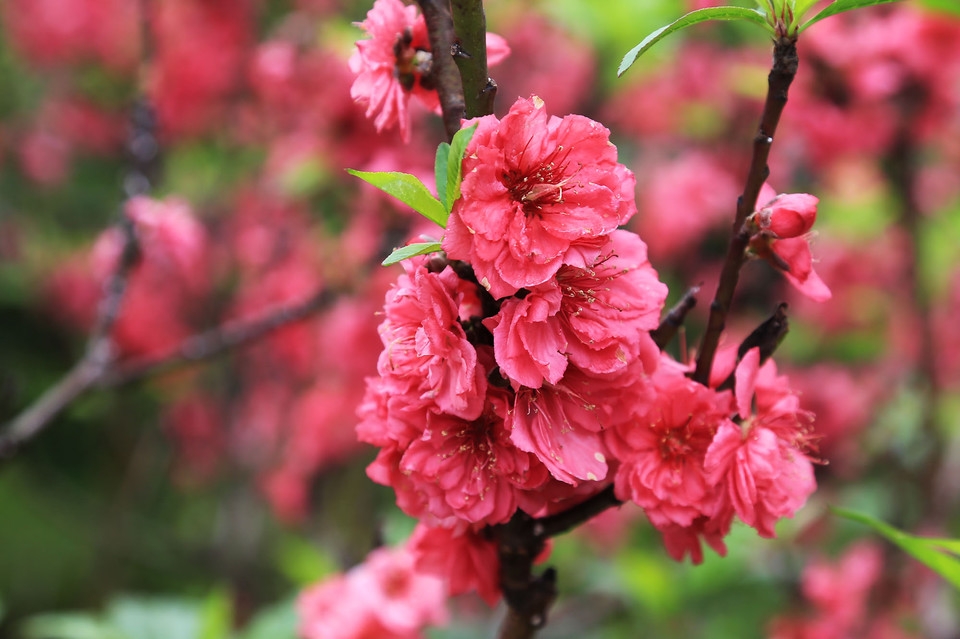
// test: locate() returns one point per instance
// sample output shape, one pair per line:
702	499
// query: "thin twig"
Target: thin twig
674	319
98	355
217	341
444	72
785	62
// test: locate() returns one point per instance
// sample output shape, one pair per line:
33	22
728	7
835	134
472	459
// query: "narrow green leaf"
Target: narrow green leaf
926	551
803	6
411	250
455	162
409	190
950	545
440	175
694	17
945	6
840	6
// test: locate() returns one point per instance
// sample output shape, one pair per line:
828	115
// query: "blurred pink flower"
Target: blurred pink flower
385	597
395	63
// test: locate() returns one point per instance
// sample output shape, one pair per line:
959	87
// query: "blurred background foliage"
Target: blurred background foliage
109	531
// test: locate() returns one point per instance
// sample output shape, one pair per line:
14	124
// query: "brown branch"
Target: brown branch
528	597
674	320
216	341
98	355
766	337
785	62
444	72
471	30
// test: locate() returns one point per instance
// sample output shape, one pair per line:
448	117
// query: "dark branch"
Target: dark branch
785	62
766	337
444	72
674	320
471	30
217	341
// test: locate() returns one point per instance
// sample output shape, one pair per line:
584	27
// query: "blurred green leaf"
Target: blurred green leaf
69	626
455	163
409	190
155	618
410	250
946	6
694	17
841	6
927	551
303	563
275	622
216	616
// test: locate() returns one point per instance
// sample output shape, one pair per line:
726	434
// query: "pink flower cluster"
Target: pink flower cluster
385	597
518	370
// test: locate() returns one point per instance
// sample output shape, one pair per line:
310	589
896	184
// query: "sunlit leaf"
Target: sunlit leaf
409	190
694	17
927	551
440	164
455	163
945	6
840	6
216	616
411	250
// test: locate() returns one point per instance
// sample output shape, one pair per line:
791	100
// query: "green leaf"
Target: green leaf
803	6
155	618
216	616
927	551
694	17
409	190
279	621
411	250
301	562
69	626
945	6
440	175
840	6
455	163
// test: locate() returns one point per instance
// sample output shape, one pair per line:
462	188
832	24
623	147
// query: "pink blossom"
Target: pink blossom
783	222
385	597
683	540
663	446
465	559
426	353
395	63
598	317
536	190
761	465
467	470
559	426
786	215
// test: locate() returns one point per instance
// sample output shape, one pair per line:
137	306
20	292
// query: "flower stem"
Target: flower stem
785	62
471	32
445	74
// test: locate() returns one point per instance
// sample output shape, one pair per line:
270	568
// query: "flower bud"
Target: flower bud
788	215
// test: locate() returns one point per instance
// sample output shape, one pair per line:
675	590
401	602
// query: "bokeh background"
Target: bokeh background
198	502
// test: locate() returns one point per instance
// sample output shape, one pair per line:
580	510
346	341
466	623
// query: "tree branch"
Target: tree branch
217	341
444	72
471	32
674	320
785	62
